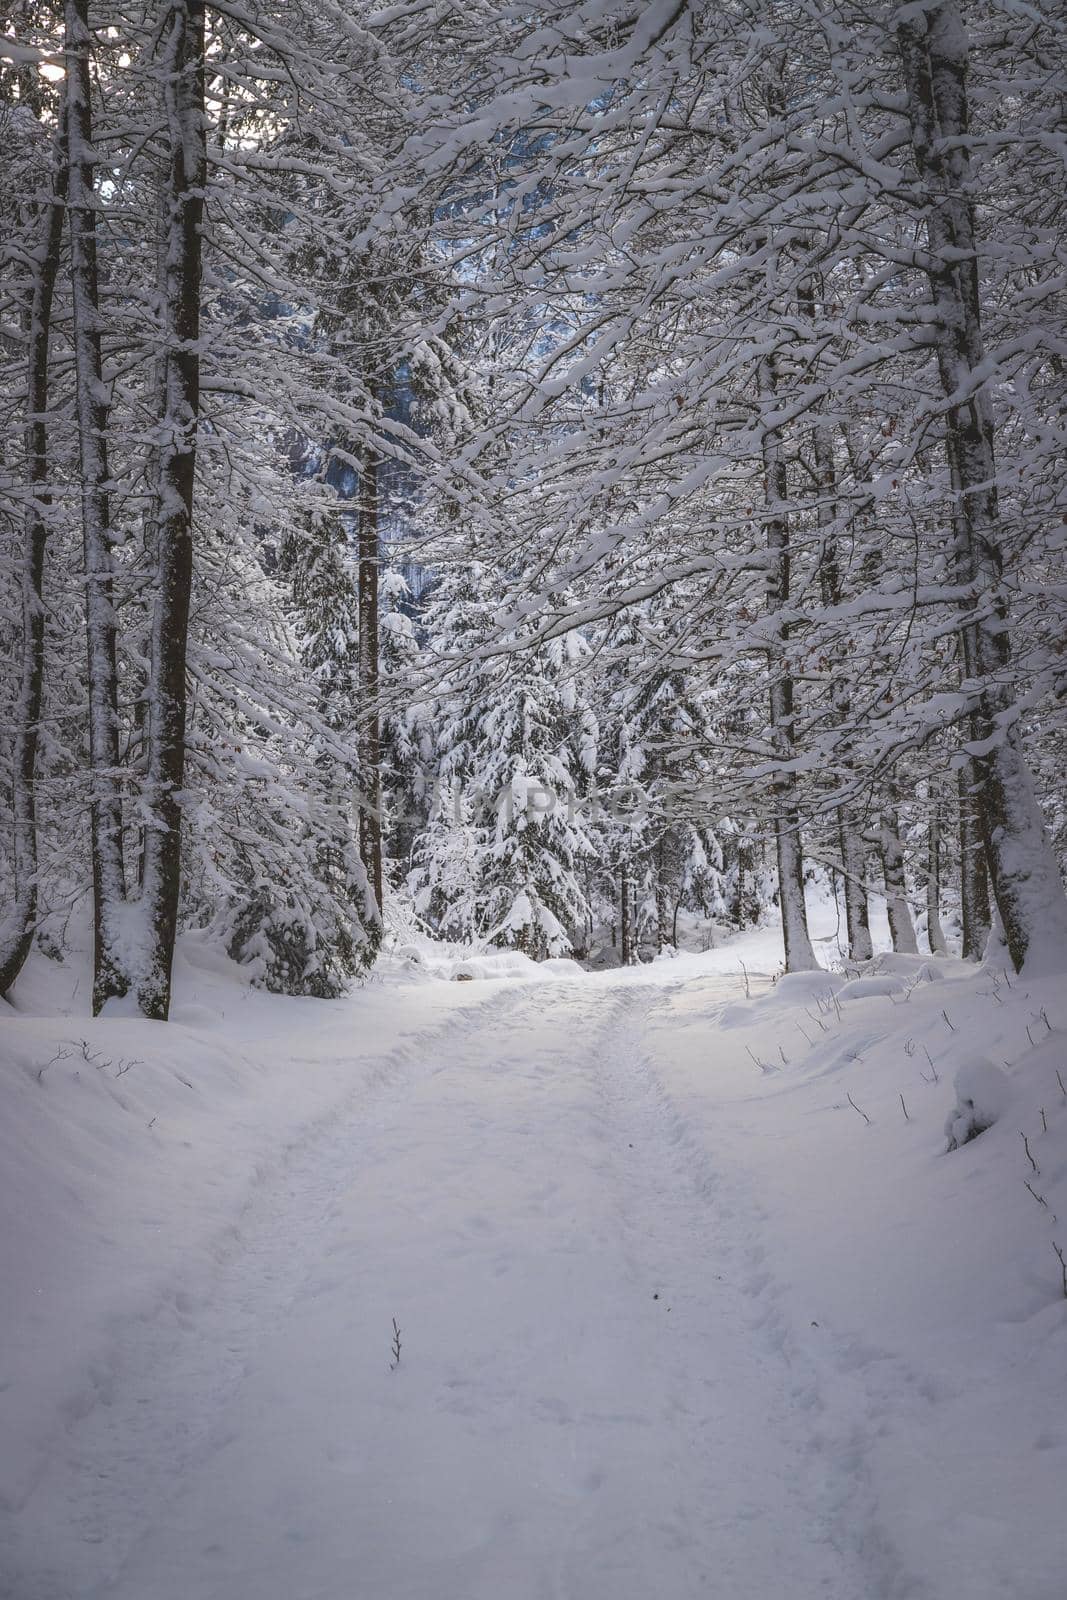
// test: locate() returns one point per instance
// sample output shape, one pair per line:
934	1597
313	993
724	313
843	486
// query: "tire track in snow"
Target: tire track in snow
518	1179
157	1409
678	1213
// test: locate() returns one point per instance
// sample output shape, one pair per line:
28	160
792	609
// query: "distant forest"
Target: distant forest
556	476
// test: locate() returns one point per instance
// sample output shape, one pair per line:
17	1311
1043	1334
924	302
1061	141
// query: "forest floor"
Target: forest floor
691	1301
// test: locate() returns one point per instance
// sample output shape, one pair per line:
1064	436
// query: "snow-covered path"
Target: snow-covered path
585	1404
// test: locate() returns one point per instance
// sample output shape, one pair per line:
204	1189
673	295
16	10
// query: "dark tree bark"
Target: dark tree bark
370	743
745	866
1023	871
901	927
138	758
663	906
974	878
627	951
187	179
853	854
799	955
854	872
110	974
16	930
934	931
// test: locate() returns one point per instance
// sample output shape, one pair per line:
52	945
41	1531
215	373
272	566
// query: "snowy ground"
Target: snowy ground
676	1318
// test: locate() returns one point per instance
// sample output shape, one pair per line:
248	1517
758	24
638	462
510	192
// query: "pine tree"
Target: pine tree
515	753
407	735
309	935
41	166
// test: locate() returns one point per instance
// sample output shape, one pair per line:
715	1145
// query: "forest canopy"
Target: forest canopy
555	475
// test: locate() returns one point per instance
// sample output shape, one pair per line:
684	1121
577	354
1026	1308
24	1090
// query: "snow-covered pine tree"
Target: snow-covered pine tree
407	733
533	791
515	761
311	934
446	876
33	208
273	864
655	747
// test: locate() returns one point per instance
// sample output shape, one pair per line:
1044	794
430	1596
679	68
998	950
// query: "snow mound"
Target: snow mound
738	1015
983	1091
441	962
794	991
429	959
800	988
410	954
508	964
864	988
904	966
560	967
891	977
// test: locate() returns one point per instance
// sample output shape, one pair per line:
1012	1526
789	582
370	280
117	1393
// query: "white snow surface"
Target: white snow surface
692	1300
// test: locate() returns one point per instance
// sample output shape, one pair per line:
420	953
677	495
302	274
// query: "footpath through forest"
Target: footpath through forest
606	1383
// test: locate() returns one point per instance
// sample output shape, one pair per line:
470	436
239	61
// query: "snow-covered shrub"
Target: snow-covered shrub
982	1094
294	948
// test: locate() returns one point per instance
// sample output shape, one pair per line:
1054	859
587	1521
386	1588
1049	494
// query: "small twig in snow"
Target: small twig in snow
93	1057
1038	1197
1029	1156
762	1065
904	1108
863	1114
946	1017
1063	1266
60	1055
395	1347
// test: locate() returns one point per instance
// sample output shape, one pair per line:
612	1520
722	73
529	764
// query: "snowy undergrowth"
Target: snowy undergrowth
128	1150
922	1284
903	1300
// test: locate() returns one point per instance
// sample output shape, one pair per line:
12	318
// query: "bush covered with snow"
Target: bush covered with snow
982	1094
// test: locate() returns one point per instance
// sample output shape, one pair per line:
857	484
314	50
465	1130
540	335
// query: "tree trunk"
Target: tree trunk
139	747
934	931
626	936
853	855
853	867
370	745
1023	871
901	927
974	878
16	930
110	975
167	696
799	955
739	896
663	915
674	916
